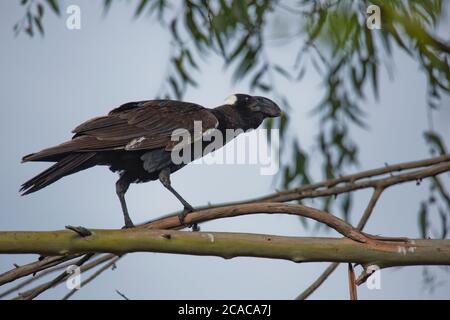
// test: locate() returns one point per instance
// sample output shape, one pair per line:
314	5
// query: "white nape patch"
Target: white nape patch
133	143
210	237
231	100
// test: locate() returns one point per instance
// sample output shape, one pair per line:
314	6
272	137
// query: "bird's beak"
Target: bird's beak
267	107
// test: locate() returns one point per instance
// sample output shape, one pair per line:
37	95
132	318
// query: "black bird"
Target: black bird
135	141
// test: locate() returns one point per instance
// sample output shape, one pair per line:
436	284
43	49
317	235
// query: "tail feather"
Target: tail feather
69	164
55	153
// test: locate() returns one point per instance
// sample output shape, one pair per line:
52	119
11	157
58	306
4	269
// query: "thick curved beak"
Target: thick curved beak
268	107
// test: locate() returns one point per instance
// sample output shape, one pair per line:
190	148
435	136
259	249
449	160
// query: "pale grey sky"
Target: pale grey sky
51	84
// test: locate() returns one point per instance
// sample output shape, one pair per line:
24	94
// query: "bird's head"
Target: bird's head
253	109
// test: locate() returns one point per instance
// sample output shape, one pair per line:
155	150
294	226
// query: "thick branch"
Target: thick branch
229	245
330	220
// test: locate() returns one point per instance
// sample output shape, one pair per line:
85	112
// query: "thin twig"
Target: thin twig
34	267
316	190
107	266
266	207
330	269
84	268
367	272
31	294
122	295
442	191
369	209
352	283
316	284
34	278
353	186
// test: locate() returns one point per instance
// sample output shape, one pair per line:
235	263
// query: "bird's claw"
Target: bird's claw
187	209
128	225
184	213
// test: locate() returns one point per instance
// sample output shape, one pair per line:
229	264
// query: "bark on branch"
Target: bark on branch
229	245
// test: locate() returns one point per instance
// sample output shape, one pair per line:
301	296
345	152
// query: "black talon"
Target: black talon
181	216
187	209
128	225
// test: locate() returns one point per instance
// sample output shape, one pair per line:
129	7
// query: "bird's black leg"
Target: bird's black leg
121	187
164	177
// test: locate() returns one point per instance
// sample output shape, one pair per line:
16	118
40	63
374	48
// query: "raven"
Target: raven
136	140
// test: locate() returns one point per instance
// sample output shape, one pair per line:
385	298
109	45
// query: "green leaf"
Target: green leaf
140	8
175	87
191	60
37	22
54	5
258	75
423	219
40	9
107	5
239	48
444	223
283	72
433	139
346	205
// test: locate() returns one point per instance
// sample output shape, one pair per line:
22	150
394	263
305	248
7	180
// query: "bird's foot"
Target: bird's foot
128	225
187	209
183	214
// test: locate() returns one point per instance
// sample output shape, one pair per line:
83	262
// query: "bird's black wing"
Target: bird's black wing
134	126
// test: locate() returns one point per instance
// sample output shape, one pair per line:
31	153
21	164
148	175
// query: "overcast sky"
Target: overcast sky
51	84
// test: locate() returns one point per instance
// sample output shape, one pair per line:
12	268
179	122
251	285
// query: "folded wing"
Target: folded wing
142	125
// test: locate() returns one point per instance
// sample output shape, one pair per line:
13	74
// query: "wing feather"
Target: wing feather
141	125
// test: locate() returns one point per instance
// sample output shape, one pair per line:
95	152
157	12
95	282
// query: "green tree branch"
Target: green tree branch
230	245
